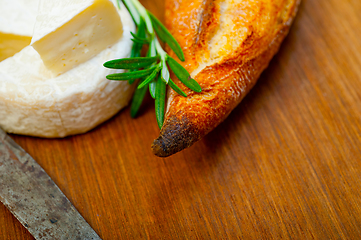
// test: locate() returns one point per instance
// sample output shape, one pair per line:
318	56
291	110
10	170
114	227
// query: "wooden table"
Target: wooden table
285	164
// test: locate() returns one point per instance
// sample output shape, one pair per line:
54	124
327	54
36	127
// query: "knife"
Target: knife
34	199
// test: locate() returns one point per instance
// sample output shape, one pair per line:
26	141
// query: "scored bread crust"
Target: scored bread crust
227	44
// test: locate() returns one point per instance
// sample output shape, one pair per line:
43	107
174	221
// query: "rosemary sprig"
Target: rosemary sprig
152	70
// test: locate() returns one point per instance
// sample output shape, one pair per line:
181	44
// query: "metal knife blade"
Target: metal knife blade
34	199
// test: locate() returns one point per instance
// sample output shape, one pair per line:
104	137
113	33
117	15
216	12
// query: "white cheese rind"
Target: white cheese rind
35	102
18	16
70	32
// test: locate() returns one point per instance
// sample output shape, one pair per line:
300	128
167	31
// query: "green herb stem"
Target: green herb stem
152	70
143	13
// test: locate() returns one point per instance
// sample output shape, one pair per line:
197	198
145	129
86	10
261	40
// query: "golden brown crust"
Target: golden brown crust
226	71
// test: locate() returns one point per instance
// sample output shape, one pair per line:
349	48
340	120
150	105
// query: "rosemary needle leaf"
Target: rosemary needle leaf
143	14
165	73
131	81
183	75
176	88
133	11
131	63
134	40
131	75
167	37
152	48
135	50
141	29
152	87
137	47
149	78
160	101
138	39
137	101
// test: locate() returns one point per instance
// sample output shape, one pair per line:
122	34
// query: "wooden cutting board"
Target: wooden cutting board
285	164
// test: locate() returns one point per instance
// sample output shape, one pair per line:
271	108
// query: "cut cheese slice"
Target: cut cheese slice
70	32
35	102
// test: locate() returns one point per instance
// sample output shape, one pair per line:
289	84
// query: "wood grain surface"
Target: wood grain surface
286	164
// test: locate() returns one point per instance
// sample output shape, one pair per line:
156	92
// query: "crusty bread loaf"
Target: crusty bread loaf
227	44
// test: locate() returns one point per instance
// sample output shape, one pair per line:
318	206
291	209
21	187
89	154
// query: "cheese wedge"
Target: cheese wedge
36	102
70	32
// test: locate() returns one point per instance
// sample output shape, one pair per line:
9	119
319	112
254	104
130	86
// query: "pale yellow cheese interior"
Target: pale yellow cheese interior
85	35
11	44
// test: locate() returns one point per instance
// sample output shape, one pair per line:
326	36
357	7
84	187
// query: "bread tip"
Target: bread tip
159	148
175	135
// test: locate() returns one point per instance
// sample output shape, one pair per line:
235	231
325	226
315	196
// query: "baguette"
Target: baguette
227	44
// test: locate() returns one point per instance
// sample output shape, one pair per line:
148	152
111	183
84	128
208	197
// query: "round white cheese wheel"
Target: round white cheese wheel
35	102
